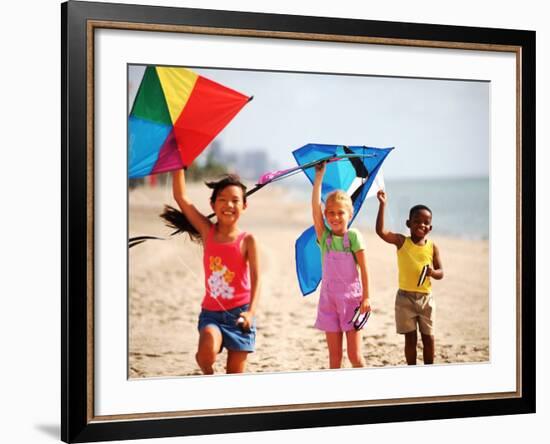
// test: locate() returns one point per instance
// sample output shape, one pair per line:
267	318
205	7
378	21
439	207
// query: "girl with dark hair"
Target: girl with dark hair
231	271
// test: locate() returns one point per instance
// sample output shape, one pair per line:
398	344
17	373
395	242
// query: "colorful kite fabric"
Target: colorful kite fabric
354	175
175	115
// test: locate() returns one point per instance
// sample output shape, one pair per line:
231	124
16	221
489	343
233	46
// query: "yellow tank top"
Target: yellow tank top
411	259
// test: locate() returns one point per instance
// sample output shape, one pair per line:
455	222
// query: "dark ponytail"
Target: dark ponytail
175	219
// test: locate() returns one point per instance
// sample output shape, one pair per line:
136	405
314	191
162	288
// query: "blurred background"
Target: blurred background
439	128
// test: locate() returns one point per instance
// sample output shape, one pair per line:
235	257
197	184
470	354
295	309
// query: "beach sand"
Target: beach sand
166	288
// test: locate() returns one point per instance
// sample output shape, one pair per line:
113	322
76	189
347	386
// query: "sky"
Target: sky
439	128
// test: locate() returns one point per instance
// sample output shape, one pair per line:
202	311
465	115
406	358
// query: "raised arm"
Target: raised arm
197	219
316	210
390	237
436	272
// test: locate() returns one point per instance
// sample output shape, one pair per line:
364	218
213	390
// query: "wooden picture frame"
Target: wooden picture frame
80	20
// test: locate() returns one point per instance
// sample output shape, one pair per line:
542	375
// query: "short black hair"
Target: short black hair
226	181
418	208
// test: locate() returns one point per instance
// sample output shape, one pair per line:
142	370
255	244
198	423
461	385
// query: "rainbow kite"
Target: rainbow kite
175	115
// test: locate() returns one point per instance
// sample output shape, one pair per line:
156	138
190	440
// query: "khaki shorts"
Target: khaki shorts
413	308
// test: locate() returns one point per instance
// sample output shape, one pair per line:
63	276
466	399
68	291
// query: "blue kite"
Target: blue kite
354	173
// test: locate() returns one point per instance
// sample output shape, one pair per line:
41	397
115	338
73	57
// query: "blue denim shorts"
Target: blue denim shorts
226	322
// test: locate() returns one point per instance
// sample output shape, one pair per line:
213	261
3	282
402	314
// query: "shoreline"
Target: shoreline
364	222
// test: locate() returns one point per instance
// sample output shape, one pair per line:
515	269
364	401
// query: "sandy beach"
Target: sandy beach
166	288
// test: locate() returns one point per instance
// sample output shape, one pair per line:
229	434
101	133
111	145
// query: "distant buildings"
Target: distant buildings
250	164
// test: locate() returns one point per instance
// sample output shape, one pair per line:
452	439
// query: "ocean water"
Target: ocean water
460	207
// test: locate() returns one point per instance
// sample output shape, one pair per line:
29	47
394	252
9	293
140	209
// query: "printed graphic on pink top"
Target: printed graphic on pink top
219	280
226	277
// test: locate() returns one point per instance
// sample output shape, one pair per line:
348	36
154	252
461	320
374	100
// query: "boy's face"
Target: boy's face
338	216
420	223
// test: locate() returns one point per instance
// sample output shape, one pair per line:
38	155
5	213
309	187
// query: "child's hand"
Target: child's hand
433	273
247	316
381	195
320	168
365	306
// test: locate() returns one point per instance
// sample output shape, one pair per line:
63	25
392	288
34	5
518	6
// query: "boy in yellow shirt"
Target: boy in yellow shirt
418	262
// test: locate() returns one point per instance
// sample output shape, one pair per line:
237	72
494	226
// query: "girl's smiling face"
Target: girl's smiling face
229	204
338	216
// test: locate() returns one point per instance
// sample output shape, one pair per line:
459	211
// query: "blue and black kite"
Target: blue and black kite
355	174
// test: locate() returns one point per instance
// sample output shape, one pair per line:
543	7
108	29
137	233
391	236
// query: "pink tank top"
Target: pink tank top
226	274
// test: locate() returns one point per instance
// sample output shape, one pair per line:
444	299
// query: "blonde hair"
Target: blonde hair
340	197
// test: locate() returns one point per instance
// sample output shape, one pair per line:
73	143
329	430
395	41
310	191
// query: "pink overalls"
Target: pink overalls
340	289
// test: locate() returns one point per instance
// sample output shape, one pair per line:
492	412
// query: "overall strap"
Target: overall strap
346	242
329	240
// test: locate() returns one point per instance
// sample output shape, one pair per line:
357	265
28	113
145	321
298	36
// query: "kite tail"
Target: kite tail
176	219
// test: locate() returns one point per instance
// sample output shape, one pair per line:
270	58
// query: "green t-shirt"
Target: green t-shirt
356	242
